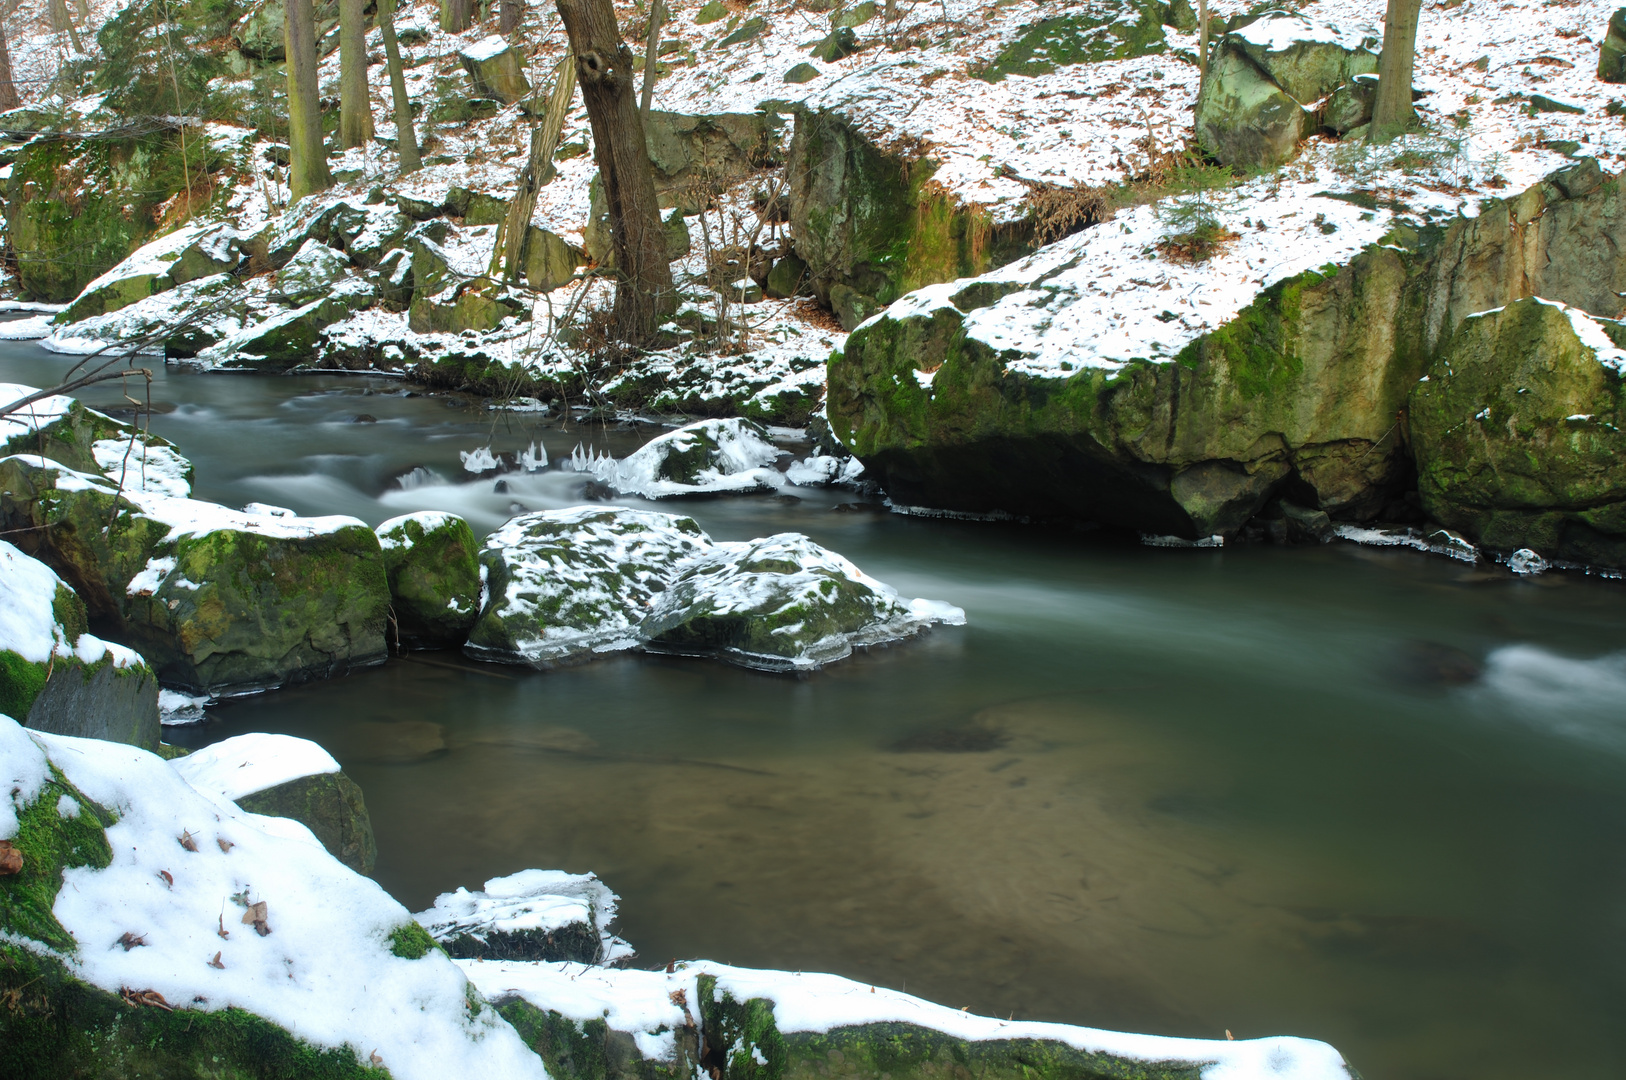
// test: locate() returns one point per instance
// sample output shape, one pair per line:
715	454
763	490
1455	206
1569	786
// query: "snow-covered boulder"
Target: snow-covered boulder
64	430
1517	432
313	272
566	584
496	70
191	317
54	675
156	929
431	560
546	915
781	604
708	457
276	340
191	252
281	776
219	601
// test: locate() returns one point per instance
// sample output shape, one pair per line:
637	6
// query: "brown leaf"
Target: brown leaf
225	845
187	841
131	941
11	860
215	963
168	880
223	932
256	914
374	1058
145	997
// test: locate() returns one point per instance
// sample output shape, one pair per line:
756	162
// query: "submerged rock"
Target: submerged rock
57	677
1517	429
545	915
281	776
430	559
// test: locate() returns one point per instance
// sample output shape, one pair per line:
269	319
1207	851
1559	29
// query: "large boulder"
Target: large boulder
496	70
870	226
696	157
190	317
534	915
290	337
1254	106
191	252
281	776
1517	429
430	559
63	429
54	675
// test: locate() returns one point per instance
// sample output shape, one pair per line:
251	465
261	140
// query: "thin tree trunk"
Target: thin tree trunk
8	89
355	104
657	11
1202	39
456	16
509	254
62	19
406	138
508	15
307	169
644	293
1392	112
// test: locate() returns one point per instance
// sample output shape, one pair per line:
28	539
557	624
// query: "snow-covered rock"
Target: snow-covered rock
707	457
545	915
193	251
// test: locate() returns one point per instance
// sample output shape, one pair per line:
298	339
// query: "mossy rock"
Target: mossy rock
332	807
1104	31
69	439
431	561
854	15
292	338
496	70
591	1049
549	261
312	273
1243	118
801	73
1612	50
1517	434
471	306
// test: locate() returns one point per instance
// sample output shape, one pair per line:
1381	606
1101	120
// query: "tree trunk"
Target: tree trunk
657	12
355	104
1392	112
307	169
509	254
644	293
508	15
8	89
456	16
62	19
1202	39
406	138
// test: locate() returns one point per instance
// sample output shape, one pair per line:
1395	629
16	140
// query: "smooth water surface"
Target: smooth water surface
1367	796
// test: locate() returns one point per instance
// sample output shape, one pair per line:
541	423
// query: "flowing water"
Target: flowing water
1372	797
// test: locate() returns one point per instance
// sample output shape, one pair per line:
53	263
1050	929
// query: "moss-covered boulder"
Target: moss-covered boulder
187	254
1517	429
54	675
496	70
281	776
1102	30
430	560
1612	50
313	272
63	429
290	337
870	225
697	156
549	261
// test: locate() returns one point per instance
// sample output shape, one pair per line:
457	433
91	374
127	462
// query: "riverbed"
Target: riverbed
1364	795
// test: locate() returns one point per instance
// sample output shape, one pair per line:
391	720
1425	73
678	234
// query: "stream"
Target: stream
1361	795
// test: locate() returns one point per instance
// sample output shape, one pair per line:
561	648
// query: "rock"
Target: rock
801	73
853	15
678	244
710	12
749	30
218	601
57	677
469	305
434	578
281	776
194	316
837	45
534	915
312	273
1612	52
707	457
496	70
566	584
870	226
1543	103
788	278
549	261
1113	31
62	429
187	254
290	338
696	155
780	604
1517	433
1350	105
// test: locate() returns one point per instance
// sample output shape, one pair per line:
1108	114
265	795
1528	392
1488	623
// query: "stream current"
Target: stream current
1367	796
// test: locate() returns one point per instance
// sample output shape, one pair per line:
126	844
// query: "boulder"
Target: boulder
496	70
1517	430
534	915
1115	30
707	457
290	338
697	156
801	73
63	429
469	305
1612	51
1351	105
434	578
313	272
187	254
853	15
563	585
281	776
837	45
193	316
54	675
549	261
788	278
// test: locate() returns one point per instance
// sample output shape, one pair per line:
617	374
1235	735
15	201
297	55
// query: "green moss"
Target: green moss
50	844
1135	29
54	1026
1258	347
410	941
20	683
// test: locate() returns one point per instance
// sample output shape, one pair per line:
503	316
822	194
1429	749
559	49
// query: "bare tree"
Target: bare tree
513	238
8	89
355	104
644	294
307	169
405	136
456	16
508	15
652	52
1392	112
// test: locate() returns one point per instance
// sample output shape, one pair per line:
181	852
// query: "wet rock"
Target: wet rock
1429	663
57	677
434	578
534	915
1517	433
970	739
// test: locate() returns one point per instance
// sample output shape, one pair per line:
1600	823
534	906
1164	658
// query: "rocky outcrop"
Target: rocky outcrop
434	578
54	675
1106	30
870	225
496	70
1517	432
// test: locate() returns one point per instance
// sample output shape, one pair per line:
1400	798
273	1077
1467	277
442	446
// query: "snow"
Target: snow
1440	542
245	764
1279	31
741	462
485	49
32	417
819	470
143	467
176	708
646	1002
392	533
324	971
28	624
35	326
1592	335
1527	563
544	900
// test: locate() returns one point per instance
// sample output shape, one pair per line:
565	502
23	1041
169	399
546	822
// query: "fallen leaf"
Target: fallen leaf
215	963
223	932
11	860
256	914
131	941
169	881
225	845
186	840
145	997
374	1058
